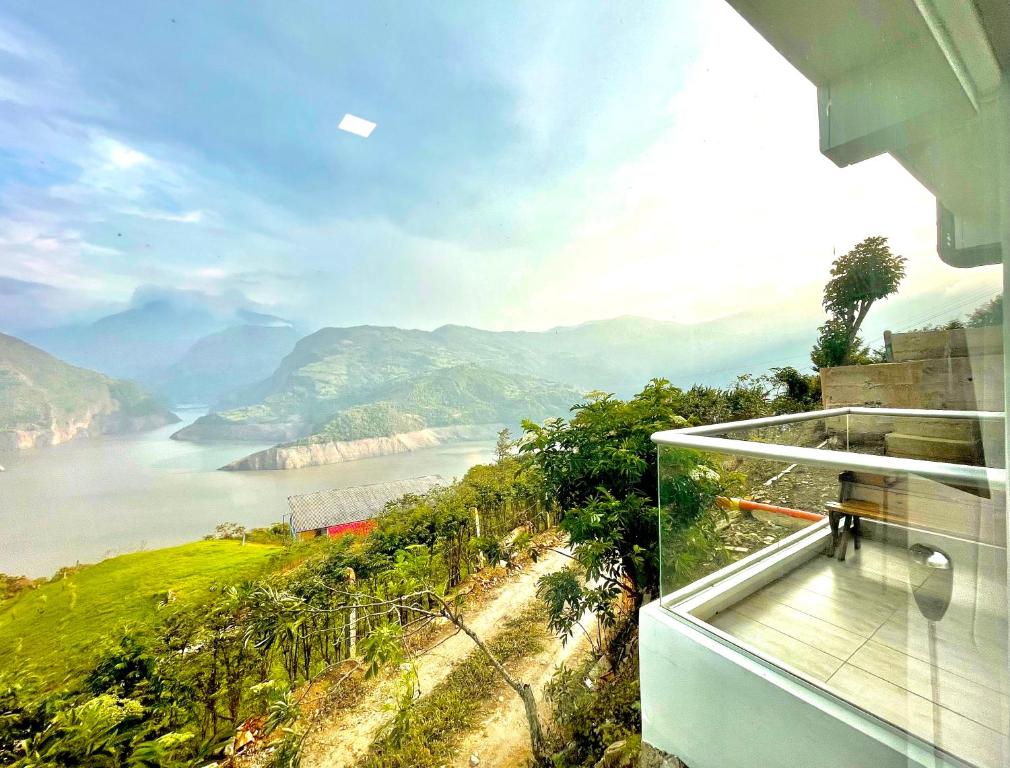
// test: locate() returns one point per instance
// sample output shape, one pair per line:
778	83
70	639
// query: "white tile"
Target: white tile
958	694
820	634
935	724
778	645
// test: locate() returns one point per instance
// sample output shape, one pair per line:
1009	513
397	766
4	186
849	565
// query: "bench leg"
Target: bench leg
833	524
843	543
857	532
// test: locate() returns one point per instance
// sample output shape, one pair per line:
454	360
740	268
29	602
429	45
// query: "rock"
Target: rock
474	760
314	454
616	756
600	669
653	758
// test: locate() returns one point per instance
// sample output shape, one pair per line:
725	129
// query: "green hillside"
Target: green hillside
59	625
44	400
464	394
351	383
365	381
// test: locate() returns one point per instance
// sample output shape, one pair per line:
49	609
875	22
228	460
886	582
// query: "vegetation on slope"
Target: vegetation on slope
53	630
322	404
425	734
433	375
464	394
41	394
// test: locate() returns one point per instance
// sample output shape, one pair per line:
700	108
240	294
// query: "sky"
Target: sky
533	164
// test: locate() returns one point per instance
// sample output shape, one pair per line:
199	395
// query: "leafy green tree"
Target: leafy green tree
863	276
990	313
794	391
607	445
601	466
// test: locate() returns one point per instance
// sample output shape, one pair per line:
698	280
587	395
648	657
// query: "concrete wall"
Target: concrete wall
930	345
944	370
955	383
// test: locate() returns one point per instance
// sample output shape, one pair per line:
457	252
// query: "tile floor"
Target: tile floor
855	627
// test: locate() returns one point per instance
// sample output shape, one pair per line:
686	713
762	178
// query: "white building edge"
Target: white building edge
927	81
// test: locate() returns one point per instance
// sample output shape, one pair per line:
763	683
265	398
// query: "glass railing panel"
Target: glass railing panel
884	587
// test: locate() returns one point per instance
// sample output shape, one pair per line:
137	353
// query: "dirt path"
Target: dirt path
502	740
346	737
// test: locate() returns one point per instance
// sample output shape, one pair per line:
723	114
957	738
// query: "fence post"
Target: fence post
353	636
476	525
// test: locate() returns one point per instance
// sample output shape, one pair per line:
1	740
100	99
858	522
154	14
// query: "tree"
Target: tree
863	276
430	604
503	447
794	391
990	313
601	466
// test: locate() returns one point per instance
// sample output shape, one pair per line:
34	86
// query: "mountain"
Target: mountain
154	333
353	383
44	401
365	383
224	361
130	344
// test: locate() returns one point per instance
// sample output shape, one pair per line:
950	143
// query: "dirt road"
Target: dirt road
343	739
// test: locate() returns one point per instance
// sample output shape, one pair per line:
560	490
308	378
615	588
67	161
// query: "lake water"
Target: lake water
93	498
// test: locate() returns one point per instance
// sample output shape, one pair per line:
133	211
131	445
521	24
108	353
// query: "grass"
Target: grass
54	630
426	734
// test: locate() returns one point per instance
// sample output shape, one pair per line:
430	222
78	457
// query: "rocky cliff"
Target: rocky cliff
44	401
299	455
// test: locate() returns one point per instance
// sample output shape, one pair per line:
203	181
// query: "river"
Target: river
94	498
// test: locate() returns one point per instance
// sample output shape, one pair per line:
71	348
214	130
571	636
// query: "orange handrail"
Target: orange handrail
747	505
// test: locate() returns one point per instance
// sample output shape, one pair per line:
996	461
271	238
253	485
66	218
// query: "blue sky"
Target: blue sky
533	164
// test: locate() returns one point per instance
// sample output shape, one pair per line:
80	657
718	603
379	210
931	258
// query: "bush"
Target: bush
589	719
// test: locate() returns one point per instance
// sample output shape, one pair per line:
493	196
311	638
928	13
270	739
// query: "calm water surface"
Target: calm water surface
91	499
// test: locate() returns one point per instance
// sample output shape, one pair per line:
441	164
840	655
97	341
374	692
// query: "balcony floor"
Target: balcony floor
856	628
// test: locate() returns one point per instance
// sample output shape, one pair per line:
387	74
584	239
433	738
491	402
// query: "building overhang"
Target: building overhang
922	80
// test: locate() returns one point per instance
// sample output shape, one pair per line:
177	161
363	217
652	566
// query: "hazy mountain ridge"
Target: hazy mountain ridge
218	364
167	340
362	382
45	401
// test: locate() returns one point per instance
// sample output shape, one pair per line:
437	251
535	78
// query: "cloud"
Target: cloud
189	217
224	303
26	305
122	156
535	166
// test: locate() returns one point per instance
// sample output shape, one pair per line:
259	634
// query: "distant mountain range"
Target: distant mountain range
340	385
219	363
186	352
44	401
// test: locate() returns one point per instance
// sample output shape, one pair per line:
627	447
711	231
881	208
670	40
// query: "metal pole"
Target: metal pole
1003	161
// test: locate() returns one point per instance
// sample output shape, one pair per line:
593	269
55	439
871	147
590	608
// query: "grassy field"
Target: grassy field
55	629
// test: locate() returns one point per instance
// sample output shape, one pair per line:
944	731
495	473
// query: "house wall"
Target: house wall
360	528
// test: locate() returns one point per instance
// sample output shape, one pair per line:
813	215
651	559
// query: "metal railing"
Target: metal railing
704	438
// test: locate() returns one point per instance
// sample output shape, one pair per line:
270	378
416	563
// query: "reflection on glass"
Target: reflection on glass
882	585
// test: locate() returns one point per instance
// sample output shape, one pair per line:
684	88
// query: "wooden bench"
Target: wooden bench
911	502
